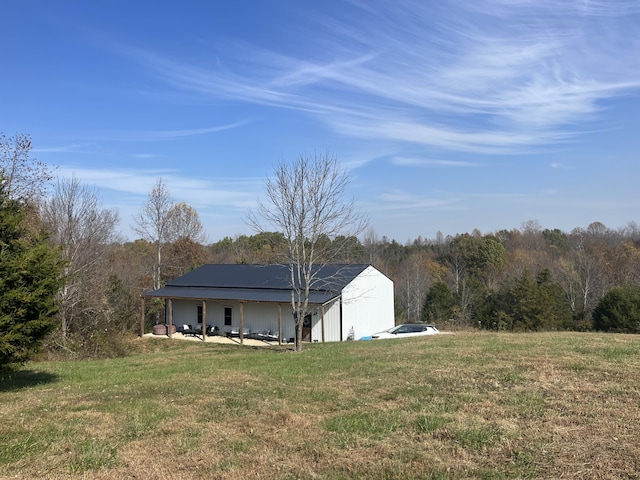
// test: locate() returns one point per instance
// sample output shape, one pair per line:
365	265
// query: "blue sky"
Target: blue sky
449	115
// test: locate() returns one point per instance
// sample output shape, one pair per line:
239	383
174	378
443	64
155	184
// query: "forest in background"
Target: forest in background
527	279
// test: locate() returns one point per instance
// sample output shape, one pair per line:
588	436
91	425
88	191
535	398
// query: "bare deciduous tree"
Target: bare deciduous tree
414	283
152	224
82	228
162	222
305	201
25	177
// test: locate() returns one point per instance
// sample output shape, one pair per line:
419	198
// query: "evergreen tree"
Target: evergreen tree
29	281
439	306
619	310
528	304
556	310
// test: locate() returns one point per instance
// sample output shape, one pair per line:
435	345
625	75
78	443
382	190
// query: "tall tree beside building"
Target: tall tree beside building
305	201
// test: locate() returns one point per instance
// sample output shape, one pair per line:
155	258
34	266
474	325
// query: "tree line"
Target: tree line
526	279
90	280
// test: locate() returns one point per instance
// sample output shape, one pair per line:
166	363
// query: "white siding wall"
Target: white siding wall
331	323
367	304
264	316
185	312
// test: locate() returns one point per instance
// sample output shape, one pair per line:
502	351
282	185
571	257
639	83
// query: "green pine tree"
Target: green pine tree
29	281
619	310
526	304
439	305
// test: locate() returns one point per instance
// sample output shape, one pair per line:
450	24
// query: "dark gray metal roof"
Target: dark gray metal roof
236	294
255	283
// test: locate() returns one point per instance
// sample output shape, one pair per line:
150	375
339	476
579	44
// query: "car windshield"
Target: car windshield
402	329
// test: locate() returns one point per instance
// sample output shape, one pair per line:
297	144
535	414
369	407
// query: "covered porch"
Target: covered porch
267	324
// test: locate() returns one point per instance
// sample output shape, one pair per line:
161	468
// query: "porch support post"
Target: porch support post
241	322
322	321
204	320
279	324
170	307
142	312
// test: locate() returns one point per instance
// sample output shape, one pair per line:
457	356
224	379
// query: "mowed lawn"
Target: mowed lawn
469	405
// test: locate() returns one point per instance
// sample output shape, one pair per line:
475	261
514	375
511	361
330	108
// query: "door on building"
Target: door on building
306	328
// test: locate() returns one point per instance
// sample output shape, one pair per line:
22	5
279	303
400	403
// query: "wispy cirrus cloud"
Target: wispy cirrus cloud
405	201
171	134
432	162
562	166
458	76
75	147
133	185
156	135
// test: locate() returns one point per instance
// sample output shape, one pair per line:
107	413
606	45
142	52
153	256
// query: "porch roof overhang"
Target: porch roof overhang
236	295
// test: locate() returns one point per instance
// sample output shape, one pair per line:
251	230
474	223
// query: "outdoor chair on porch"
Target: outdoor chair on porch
186	330
235	332
266	336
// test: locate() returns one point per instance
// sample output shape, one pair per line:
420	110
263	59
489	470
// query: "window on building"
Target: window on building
228	315
200	314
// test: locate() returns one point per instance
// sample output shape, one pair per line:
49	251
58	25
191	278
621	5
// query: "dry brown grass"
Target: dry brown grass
471	405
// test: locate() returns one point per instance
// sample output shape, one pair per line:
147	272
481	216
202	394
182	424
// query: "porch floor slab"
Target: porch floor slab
216	339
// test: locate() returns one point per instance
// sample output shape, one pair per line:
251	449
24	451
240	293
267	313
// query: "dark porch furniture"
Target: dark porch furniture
266	336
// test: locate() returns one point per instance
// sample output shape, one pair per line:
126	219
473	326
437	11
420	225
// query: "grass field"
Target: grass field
470	405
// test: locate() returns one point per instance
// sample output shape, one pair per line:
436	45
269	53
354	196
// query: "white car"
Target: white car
407	330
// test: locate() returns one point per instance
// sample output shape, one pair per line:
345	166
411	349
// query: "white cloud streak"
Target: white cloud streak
157	135
60	148
133	186
504	77
431	162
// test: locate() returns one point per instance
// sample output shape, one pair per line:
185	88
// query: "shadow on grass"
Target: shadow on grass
17	379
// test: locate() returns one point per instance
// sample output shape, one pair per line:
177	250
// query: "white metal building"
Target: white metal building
256	298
